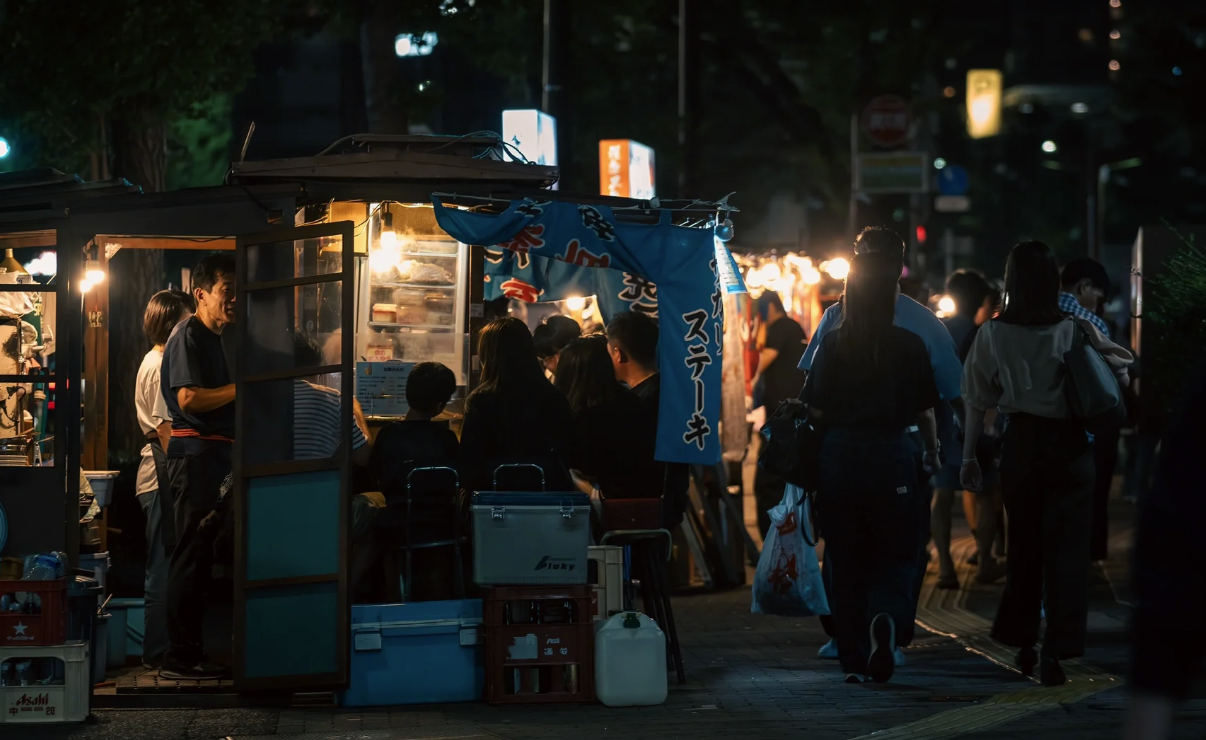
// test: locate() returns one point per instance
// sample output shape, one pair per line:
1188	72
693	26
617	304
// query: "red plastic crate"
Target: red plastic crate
540	663
46	628
546	653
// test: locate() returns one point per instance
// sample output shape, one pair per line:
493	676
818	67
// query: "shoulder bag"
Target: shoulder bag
1093	392
791	445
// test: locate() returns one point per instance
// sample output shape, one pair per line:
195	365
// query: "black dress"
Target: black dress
501	428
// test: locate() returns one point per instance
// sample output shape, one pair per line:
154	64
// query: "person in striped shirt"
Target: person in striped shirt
316	412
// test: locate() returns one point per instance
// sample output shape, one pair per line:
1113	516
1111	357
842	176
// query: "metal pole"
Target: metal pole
554	67
688	93
852	225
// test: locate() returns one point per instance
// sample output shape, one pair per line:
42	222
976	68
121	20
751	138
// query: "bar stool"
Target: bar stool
649	562
433	504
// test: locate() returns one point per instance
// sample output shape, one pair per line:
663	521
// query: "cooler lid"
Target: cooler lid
528	498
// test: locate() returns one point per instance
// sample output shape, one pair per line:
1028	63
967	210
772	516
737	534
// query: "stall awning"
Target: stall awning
680	260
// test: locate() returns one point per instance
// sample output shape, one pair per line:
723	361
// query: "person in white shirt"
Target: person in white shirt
166	309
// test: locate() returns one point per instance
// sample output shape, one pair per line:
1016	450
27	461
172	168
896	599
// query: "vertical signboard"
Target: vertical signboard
533	133
983	103
626	169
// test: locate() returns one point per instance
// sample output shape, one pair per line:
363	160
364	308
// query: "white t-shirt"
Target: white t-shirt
152	410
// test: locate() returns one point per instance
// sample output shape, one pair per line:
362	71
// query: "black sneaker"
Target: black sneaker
202	671
882	662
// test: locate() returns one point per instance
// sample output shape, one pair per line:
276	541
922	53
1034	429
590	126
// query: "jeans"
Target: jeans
197	469
1047	487
868	511
154	641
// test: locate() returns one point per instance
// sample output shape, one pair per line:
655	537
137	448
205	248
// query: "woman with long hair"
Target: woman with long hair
515	415
870	383
1016	364
616	437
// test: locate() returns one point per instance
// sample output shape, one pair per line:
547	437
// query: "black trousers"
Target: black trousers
1047	486
867	508
925	493
1105	459
196	469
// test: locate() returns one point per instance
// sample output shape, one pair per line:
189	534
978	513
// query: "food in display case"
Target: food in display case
412	293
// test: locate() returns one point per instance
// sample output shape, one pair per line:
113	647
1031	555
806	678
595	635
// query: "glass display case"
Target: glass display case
411	304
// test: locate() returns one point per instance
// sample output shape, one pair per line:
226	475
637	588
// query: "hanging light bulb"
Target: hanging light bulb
93	272
388	253
575	303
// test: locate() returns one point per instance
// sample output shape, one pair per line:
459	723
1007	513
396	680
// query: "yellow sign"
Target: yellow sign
983	103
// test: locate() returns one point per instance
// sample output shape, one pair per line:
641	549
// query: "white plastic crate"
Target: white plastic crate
608	587
66	702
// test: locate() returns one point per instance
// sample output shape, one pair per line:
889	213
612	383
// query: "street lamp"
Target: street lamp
1050	147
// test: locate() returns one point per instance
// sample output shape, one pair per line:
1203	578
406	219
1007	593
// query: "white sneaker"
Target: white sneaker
899	657
828	651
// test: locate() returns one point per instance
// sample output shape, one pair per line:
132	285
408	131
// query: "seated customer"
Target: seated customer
632	341
514	416
616	433
417	441
551	337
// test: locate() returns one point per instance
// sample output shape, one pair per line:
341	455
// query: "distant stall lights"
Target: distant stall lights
1176	71
1114	65
1050	147
410	45
1115	3
1080	108
838	268
946	305
1115	34
949	91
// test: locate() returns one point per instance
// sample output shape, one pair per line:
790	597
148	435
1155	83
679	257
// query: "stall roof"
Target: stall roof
429	160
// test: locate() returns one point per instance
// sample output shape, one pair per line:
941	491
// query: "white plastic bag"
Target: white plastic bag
788	579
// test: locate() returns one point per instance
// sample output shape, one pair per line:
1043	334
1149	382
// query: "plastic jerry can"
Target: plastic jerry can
630	661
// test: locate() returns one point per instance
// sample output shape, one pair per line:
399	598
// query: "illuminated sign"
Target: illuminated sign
983	103
533	133
626	169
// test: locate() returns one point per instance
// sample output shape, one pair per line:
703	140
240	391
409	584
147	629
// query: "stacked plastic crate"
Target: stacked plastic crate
43	678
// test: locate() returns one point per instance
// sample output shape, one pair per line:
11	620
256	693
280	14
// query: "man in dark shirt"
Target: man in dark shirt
197	388
779	379
632	341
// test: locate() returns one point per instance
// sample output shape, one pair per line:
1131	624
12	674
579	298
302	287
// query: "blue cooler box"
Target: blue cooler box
428	652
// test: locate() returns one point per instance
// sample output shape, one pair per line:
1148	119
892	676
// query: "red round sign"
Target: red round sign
886	120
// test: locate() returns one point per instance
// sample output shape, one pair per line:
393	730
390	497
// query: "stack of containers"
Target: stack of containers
43	678
530	554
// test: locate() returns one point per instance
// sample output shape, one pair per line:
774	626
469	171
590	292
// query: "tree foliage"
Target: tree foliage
73	69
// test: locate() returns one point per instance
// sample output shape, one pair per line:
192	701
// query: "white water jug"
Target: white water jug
630	661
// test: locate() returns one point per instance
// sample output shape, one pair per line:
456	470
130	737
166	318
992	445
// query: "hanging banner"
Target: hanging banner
680	261
543	280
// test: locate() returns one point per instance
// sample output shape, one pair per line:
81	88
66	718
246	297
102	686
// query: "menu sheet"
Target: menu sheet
381	387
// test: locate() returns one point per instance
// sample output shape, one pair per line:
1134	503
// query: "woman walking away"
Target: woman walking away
515	416
869	383
1017	364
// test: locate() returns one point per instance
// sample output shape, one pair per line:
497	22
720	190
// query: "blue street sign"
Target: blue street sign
952	180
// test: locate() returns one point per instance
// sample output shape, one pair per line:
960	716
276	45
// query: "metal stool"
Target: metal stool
650	565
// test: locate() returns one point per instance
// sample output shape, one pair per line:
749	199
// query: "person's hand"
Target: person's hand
970	476
931	461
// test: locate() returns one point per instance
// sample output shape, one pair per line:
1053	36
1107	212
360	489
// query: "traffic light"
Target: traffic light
921	235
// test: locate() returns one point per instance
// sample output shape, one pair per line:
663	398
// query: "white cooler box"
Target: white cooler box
525	539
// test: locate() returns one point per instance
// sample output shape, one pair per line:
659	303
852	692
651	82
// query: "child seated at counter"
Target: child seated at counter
417	441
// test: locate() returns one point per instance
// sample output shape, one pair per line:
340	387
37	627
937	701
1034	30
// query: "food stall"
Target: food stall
344	244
